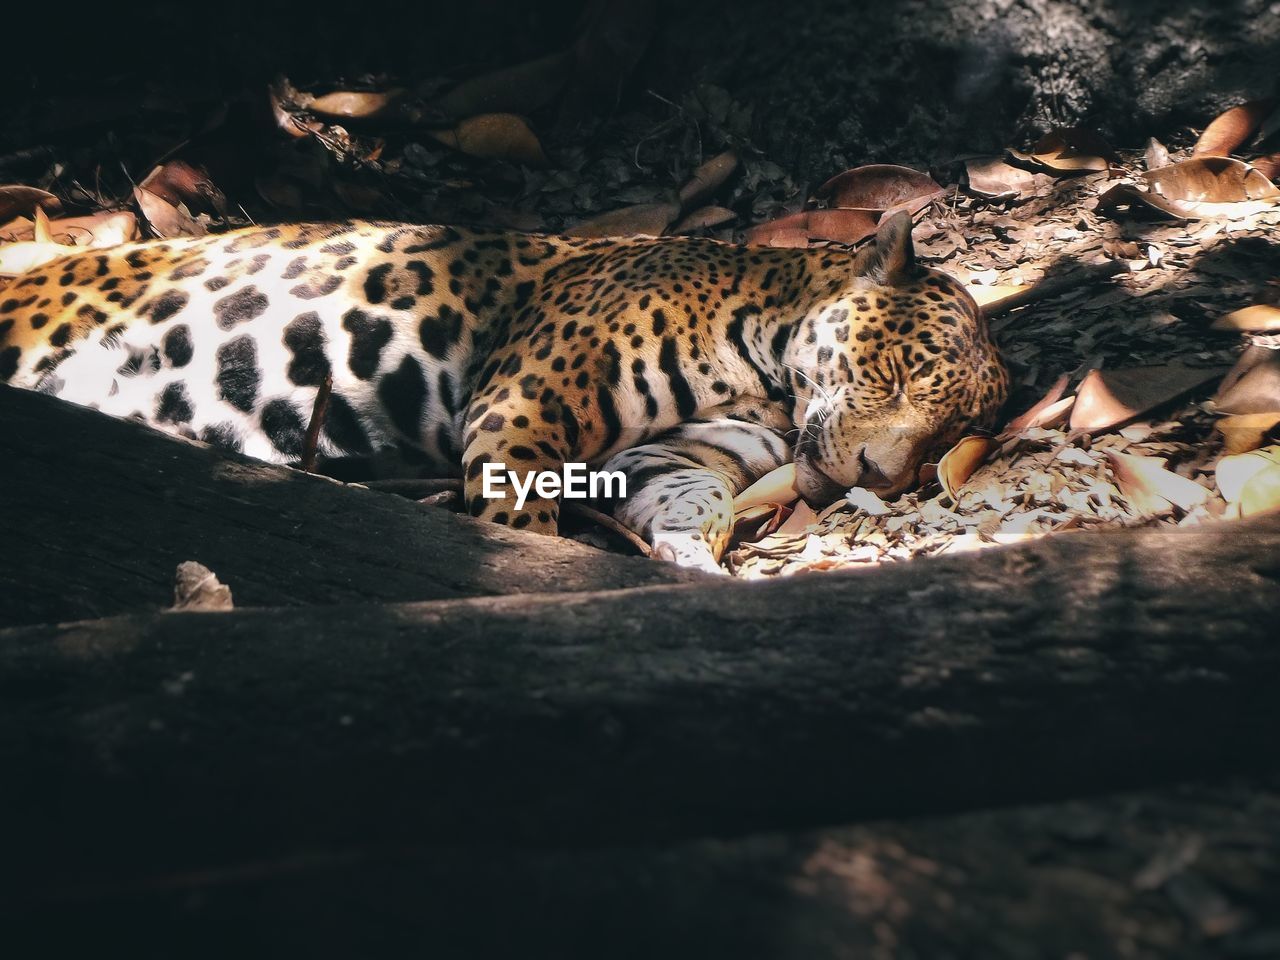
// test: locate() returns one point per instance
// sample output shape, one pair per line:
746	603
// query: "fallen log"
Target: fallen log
99	512
1181	872
1075	664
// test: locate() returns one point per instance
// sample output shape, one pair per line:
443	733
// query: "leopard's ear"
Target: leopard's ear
891	259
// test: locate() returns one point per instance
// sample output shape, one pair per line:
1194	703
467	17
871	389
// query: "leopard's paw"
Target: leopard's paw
687	550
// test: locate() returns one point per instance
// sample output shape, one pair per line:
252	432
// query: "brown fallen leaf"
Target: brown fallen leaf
641	220
959	463
1260	318
802	518
776	486
1108	398
1268	166
990	295
1197	189
1253	384
704	218
1036	415
519	89
1231	129
1156	155
797	229
707	179
495	136
1233	472
40	227
879	187
165	218
1151	488
994	179
1068	151
17	200
177	181
1248	431
283	98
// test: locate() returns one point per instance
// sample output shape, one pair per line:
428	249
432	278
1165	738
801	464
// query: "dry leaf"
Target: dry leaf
1253	384
707	179
17	200
703	219
797	229
1262	493
802	518
166	219
354	104
959	463
106	229
1248	431
1260	318
1150	487
1069	151
1157	155
17	258
1107	398
178	182
644	219
991	177
1234	472
1232	129
495	136
879	187
1197	189
989	296
1038	415
776	486
519	89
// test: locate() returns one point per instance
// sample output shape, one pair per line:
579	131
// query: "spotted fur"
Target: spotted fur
693	366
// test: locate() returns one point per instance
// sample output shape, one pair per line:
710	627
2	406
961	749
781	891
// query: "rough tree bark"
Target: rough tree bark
1074	664
99	512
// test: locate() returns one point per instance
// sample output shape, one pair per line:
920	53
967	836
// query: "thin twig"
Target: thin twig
609	523
318	410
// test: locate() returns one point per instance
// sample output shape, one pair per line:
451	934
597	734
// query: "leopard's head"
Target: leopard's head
889	375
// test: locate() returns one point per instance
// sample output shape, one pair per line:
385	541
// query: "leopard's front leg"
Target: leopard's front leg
681	484
509	433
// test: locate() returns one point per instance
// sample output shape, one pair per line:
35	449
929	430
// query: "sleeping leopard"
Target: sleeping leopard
692	366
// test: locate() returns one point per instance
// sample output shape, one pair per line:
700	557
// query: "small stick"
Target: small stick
610	524
317	421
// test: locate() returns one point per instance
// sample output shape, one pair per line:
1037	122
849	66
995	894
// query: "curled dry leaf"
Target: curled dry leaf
1260	318
519	89
1195	189
1253	384
1038	415
1068	151
495	136
707	179
879	187
1234	472
1231	129
643	219
802	519
106	229
1262	493
356	104
1108	398
798	229
776	486
959	463
165	218
991	177
40	232
18	200
1268	166
1248	431
177	181
17	258
1157	154
1151	488
703	219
